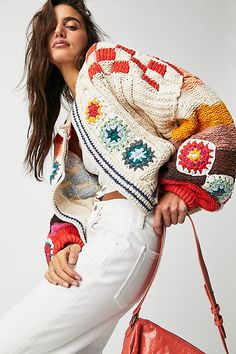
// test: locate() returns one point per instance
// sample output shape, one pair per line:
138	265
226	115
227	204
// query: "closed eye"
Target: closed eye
73	28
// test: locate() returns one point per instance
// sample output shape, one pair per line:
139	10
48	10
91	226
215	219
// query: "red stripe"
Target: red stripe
130	51
91	50
150	81
105	54
175	68
94	69
159	68
142	66
120	67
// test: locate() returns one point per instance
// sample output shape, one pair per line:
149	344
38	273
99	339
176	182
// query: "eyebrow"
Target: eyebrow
70	18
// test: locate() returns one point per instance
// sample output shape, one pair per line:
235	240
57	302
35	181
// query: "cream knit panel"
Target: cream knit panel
155	102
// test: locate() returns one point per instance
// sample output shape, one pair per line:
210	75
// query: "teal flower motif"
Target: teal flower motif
138	155
114	134
55	168
219	186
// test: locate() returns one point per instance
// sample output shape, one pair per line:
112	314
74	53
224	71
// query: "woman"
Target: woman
142	145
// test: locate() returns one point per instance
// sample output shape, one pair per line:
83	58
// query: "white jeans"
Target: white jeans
115	264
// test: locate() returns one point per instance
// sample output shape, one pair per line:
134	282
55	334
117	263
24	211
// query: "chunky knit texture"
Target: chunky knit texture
150	126
61	234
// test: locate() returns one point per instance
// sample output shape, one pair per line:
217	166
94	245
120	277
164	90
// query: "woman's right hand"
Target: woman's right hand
60	270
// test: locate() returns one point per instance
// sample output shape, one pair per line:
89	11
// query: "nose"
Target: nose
59	32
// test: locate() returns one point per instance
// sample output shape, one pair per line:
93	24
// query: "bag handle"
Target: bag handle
215	308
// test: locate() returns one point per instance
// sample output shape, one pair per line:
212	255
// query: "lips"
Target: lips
60	43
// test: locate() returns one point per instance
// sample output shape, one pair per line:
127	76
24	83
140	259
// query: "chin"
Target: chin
62	59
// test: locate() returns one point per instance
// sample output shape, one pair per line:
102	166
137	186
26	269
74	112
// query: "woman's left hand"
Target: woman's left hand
171	209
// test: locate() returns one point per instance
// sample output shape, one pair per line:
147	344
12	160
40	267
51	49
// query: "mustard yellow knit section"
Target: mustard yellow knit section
205	116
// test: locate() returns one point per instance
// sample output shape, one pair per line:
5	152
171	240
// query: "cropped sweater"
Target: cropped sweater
151	127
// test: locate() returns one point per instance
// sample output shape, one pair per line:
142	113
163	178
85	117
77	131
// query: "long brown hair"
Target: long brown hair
45	84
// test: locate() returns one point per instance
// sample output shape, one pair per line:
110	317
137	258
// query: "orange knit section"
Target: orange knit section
191	82
159	68
94	69
65	240
120	67
65	235
150	81
204	117
105	54
130	51
91	50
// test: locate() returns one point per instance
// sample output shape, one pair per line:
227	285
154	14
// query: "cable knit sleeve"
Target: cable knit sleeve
60	235
183	110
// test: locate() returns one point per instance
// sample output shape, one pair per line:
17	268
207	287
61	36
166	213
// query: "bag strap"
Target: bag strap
215	308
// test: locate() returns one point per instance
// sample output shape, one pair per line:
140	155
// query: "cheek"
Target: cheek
80	41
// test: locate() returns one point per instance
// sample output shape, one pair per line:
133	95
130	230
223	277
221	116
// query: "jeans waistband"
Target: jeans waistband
120	207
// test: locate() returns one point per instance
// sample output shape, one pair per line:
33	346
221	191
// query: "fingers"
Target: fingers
73	255
182	212
166	216
47	276
60	272
158	221
171	209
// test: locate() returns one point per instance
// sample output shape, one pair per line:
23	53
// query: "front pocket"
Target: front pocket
138	279
100	248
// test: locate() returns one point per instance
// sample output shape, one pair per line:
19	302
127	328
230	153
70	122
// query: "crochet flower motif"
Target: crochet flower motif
195	157
220	186
93	111
138	155
114	134
55	168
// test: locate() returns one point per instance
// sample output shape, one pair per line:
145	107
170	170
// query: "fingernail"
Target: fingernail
75	283
65	284
78	277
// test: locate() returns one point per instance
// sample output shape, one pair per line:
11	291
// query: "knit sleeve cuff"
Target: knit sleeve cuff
60	236
184	193
193	195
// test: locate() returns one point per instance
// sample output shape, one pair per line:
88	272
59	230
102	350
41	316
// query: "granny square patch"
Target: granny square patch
114	134
220	186
195	157
93	111
138	155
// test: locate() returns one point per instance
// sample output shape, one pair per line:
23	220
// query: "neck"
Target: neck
70	75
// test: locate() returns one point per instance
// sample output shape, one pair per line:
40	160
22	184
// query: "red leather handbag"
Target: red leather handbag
146	337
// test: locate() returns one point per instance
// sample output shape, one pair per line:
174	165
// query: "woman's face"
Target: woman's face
70	30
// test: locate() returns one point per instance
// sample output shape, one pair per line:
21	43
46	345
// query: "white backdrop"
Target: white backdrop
197	35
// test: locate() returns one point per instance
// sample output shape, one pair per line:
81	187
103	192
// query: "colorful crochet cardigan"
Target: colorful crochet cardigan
150	126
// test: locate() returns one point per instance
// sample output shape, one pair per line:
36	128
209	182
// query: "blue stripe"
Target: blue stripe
107	163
